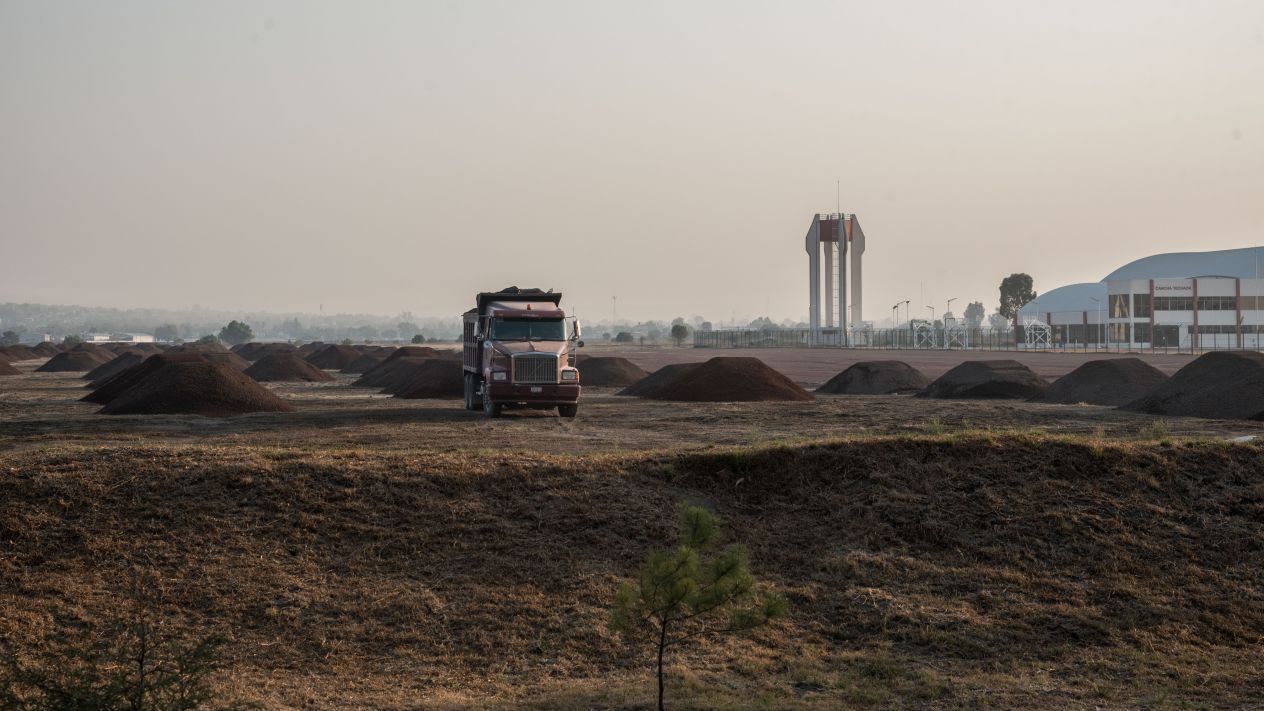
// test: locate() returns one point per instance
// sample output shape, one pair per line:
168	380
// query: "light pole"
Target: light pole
949	310
1097	340
932	316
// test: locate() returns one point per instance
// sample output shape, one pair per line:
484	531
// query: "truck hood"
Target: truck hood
511	348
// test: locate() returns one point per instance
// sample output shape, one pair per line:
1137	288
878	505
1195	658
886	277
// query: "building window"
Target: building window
1119	333
1119	306
1251	303
1142	332
1217	303
1141	305
1173	303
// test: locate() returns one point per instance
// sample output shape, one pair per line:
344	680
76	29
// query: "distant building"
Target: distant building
1181	299
118	338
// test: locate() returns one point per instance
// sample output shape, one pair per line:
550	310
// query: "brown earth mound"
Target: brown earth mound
611	372
75	361
227	358
392	371
432	378
149	348
651	384
6	369
402	352
117	364
732	379
312	347
988	379
364	363
1111	381
107	389
14	354
209	389
254	351
876	377
334	357
1219	385
46	350
286	367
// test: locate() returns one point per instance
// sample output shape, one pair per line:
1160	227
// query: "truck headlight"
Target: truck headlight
570	375
500	375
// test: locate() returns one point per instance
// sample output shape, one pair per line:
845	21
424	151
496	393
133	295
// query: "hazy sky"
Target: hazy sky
388	156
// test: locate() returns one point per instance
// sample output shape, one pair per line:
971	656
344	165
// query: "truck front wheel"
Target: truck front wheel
472	401
568	410
491	409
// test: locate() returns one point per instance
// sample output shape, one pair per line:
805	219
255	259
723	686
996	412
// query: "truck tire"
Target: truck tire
568	410
472	401
491	409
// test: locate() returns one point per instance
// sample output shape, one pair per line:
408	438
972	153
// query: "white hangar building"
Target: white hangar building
1182	299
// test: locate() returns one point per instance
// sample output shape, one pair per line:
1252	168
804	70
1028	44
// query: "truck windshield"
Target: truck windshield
525	329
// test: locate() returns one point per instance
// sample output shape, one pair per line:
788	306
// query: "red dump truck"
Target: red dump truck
520	352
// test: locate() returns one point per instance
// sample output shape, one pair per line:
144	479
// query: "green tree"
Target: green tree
71	341
678	595
208	339
419	338
9	338
679	332
974	314
623	337
167	333
236	332
1016	291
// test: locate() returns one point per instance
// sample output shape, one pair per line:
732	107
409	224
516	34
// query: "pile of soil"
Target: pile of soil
6	369
335	357
309	348
209	389
286	367
365	363
392	371
876	377
45	350
78	360
1218	385
115	365
651	384
432	378
988	379
1112	381
106	389
254	351
609	372
13	354
227	358
732	379
149	348
396	355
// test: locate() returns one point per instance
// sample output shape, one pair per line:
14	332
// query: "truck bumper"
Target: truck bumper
534	395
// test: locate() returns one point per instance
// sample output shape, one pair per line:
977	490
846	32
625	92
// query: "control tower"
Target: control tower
830	239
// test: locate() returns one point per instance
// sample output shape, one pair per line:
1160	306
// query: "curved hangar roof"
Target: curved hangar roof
1245	263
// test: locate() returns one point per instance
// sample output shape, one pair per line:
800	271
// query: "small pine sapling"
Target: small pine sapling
679	594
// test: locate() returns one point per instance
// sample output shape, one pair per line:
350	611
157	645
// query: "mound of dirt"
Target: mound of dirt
1111	381
876	377
254	351
441	378
14	354
75	361
115	365
149	348
45	350
227	358
731	379
1218	385
364	363
209	389
392	371
651	384
106	389
308	348
397	354
335	357
988	379
609	372
286	367
6	369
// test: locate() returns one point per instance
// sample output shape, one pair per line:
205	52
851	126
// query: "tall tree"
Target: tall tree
974	314
236	332
1016	291
678	595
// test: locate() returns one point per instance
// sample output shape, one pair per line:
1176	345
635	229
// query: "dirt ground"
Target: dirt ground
44	407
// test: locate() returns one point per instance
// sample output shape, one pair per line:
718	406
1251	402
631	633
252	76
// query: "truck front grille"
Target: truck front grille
535	368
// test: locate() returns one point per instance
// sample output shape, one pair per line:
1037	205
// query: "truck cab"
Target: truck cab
519	352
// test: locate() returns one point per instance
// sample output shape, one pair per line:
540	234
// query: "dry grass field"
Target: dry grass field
367	552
